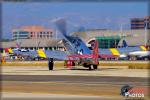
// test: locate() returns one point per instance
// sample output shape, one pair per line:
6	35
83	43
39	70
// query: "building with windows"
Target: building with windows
34	44
140	23
32	32
114	38
108	41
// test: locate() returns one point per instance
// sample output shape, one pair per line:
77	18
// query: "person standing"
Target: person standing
50	63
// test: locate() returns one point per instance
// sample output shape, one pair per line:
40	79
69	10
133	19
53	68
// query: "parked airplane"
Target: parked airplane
145	55
19	52
141	52
130	53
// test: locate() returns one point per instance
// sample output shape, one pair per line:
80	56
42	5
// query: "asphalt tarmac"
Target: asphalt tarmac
96	87
37	83
78	79
53	97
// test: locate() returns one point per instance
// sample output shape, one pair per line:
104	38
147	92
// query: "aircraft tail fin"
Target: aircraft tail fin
124	43
17	45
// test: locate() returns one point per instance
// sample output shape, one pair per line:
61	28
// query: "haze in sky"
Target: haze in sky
91	15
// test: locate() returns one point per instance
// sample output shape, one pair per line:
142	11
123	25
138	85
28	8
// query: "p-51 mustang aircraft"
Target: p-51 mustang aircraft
77	51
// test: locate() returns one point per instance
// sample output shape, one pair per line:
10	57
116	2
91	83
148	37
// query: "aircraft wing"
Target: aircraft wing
121	52
17	52
58	55
108	53
28	53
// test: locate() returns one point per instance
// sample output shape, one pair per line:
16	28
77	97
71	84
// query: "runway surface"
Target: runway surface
99	86
38	83
78	71
21	96
75	79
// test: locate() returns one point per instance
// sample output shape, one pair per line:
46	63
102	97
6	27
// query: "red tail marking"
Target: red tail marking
95	52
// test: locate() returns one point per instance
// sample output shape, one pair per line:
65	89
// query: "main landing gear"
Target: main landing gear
90	66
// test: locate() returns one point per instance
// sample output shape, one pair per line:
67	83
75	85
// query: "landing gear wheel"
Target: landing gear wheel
90	68
94	66
133	58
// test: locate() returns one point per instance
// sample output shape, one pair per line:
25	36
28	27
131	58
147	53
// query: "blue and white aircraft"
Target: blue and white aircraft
79	52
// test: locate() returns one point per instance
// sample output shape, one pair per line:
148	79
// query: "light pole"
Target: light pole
17	44
56	39
122	34
36	34
146	21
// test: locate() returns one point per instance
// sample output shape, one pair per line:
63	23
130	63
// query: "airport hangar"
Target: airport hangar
106	38
114	38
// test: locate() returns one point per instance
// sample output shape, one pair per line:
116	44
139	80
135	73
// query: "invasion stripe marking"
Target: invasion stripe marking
143	48
10	51
41	53
114	51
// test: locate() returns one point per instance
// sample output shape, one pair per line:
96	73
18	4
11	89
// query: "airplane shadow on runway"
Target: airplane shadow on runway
80	69
99	69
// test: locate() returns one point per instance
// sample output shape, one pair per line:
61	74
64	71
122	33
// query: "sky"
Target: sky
90	15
